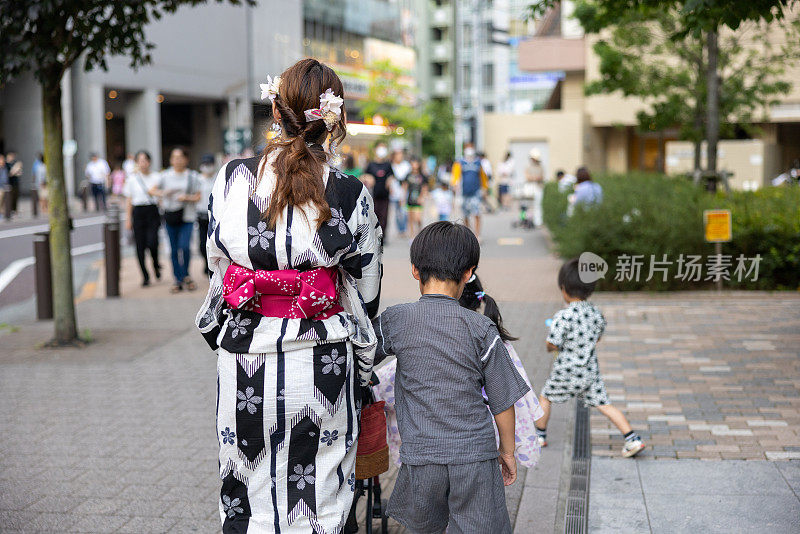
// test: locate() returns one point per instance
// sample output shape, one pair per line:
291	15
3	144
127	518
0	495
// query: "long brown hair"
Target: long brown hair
298	167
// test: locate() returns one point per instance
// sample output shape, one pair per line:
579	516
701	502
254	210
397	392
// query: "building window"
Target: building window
488	75
438	69
437	34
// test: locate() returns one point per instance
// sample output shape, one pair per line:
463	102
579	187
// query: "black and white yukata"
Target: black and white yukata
287	406
575	331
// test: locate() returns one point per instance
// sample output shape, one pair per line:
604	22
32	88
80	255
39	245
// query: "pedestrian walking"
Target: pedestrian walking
379	172
505	174
587	191
566	182
143	217
4	187
474	184
39	171
179	190
574	334
129	165
97	173
526	410
416	193
296	260
207	176
117	179
534	185
14	168
398	191
447	357
444	200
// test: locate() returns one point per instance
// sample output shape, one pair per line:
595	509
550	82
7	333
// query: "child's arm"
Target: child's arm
555	337
384	349
505	428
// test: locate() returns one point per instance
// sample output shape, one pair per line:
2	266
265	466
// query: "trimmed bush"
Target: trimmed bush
653	215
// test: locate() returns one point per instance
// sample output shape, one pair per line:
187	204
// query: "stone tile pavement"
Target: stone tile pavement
119	436
703	375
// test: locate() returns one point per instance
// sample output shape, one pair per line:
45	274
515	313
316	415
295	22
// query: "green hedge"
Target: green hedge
653	215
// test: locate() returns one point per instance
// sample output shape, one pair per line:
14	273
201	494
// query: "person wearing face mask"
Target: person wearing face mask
474	184
143	218
207	175
178	188
380	173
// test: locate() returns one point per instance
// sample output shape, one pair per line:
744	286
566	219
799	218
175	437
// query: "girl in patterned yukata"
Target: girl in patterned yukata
295	253
526	409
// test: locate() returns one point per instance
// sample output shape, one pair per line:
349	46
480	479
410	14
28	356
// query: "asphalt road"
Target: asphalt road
16	253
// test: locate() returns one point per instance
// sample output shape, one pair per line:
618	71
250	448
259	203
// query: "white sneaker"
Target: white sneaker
632	448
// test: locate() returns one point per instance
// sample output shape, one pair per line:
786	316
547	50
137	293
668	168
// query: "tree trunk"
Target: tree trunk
712	102
66	330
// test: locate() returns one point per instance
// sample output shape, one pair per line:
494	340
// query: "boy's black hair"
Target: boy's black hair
444	251
570	281
472	298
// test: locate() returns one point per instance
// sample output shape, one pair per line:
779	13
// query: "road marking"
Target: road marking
510	241
30	230
17	266
11	272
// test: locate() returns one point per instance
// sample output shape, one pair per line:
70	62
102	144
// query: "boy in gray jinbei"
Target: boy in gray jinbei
446	354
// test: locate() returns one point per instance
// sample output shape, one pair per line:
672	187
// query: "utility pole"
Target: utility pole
458	111
477	72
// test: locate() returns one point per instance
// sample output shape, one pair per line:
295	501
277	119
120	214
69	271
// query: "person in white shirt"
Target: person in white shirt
397	190
179	190
207	175
534	178
129	165
566	182
143	216
97	172
444	199
505	172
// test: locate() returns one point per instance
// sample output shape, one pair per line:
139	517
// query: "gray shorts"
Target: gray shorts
464	498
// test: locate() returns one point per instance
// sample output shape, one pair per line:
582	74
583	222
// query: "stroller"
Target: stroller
523	221
525	194
367	473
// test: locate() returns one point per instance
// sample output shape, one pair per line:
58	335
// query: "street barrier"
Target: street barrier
112	250
44	280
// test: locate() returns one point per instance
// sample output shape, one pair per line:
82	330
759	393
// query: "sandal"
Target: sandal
189	283
177	288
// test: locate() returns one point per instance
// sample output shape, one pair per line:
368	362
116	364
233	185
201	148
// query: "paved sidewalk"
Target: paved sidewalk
702	376
119	436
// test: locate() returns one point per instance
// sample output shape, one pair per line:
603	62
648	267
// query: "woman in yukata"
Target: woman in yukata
295	253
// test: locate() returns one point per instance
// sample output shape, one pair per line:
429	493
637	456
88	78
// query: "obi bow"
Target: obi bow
287	293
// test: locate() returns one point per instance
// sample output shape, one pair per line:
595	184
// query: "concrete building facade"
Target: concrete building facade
200	86
600	131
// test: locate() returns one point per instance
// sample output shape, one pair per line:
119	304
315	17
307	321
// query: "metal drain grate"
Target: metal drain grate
576	519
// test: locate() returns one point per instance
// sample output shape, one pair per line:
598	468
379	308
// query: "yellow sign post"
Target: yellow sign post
718	229
717	224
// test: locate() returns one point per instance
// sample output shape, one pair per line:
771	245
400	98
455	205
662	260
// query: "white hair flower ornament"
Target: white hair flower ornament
270	89
330	109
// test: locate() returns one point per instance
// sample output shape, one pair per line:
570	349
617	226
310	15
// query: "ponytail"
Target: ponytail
299	164
491	311
472	298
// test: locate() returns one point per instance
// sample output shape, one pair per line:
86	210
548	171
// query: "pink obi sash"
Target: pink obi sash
287	293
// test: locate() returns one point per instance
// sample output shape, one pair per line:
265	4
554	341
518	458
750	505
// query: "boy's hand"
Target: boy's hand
551	347
508	467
